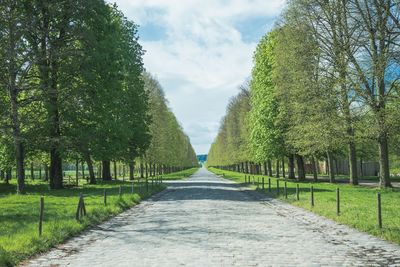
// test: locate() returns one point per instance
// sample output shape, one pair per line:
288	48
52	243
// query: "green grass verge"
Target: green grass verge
358	203
179	175
347	178
19	214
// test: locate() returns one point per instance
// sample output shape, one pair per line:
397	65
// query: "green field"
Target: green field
19	238
358	204
179	175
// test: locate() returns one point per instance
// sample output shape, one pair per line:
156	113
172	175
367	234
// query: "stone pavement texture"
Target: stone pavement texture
209	221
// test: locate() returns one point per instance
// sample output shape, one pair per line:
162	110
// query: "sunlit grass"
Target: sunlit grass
19	214
358	203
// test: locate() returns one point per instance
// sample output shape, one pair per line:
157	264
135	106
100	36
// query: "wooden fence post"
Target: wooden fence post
81	210
312	196
379	211
263	187
337	201
132	187
277	187
78	209
120	191
41	213
105	197
83	205
297	192
269	185
285	190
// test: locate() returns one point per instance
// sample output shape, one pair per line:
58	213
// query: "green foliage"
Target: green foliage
169	144
320	88
308	106
231	144
266	134
80	90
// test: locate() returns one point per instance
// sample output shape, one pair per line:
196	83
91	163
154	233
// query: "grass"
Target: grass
179	175
358	203
19	214
364	178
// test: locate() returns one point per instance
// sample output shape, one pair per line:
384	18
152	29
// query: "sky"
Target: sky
201	52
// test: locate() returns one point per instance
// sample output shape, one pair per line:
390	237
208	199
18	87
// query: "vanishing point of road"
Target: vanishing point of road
209	221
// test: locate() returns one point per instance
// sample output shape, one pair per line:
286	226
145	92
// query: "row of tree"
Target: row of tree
72	87
325	84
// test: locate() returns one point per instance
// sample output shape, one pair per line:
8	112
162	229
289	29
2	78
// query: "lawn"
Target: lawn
179	175
358	204
19	214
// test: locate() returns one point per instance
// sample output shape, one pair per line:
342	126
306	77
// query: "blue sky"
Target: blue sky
201	52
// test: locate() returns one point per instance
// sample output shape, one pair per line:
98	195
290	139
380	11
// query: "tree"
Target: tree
231	144
374	64
15	60
169	145
266	134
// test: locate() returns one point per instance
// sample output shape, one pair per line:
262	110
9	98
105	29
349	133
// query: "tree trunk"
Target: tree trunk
83	169
361	168
56	175
106	170
141	170
265	168
331	167
291	167
92	178
20	155
77	171
8	175
283	167
269	165
315	170
13	93
46	172
277	168
353	163
384	175
301	174
115	170
32	172
336	166
131	170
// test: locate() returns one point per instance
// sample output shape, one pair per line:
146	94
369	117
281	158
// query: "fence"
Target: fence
141	187
262	186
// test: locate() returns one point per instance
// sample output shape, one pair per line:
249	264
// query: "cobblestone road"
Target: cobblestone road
208	221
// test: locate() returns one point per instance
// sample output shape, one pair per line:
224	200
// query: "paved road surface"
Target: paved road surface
209	221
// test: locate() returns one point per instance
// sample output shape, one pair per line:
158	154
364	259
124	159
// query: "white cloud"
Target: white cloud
203	58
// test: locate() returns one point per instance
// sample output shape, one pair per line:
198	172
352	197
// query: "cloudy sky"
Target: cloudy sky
201	52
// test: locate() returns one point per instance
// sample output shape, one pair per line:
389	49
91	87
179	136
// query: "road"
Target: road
209	221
